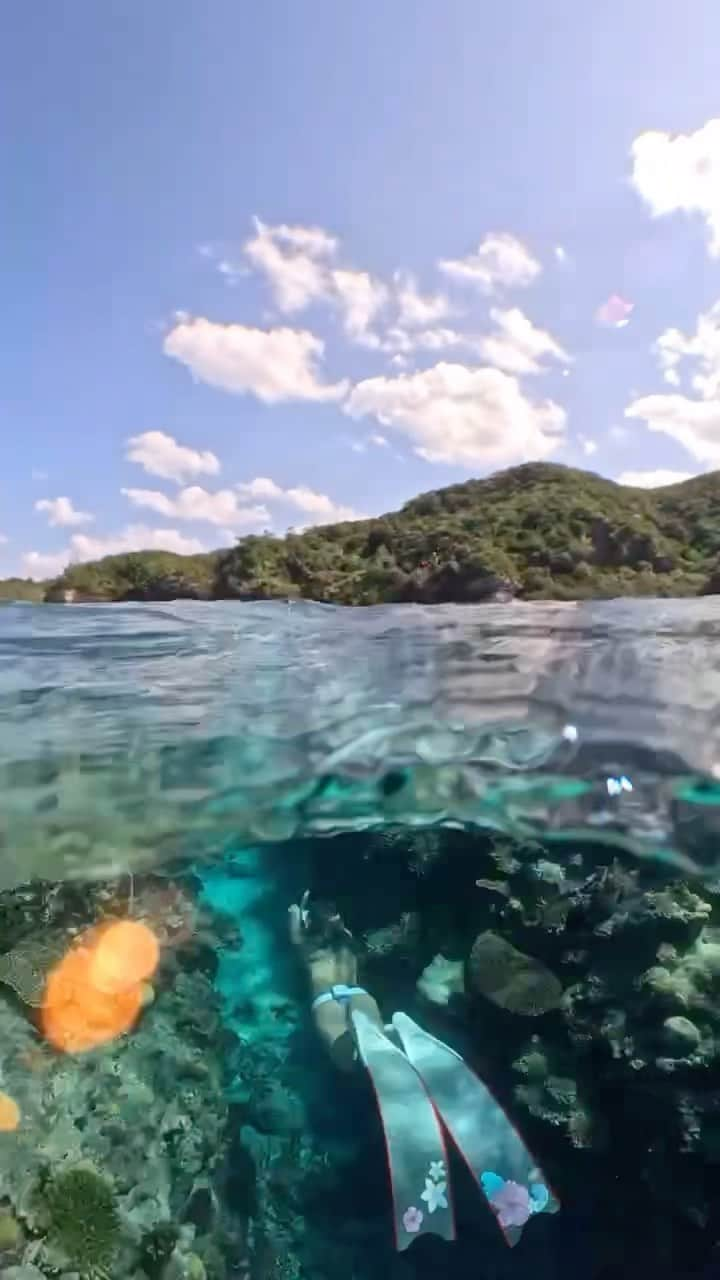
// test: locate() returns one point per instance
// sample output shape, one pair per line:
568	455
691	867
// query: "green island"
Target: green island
540	531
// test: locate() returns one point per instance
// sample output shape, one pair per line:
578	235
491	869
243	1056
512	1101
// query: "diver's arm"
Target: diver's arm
331	966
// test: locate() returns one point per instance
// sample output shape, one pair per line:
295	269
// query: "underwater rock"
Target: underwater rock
276	1108
156	1249
201	1207
511	979
26	1272
681	1037
184	1266
11	1232
442	979
550	872
26	966
397	939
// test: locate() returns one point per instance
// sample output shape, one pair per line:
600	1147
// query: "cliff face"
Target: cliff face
539	531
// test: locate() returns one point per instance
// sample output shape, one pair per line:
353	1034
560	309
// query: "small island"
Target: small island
541	531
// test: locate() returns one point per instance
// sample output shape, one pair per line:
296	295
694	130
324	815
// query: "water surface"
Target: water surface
131	735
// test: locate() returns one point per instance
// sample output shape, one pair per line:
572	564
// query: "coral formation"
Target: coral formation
83	1225
511	979
213	1141
112	1142
441	980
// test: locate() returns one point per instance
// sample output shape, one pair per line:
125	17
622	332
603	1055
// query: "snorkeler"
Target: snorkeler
424	1091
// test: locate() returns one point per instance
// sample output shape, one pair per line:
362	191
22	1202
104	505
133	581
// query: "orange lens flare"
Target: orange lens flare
95	994
9	1114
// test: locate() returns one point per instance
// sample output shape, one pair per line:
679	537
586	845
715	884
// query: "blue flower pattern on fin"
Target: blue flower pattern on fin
539	1196
491	1183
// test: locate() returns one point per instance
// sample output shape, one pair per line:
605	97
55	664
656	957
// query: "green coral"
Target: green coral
83	1221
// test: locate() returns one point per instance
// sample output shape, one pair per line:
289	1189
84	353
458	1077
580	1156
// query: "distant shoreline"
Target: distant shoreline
541	531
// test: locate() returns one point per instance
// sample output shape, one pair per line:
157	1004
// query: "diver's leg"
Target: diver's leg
331	1020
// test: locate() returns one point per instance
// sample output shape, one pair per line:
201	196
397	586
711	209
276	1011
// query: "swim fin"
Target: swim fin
414	1139
419	1085
490	1145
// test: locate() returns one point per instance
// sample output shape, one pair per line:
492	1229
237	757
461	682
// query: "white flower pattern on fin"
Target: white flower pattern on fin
437	1170
434	1195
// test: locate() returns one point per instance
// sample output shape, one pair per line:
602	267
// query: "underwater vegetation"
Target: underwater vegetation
82	1223
208	1138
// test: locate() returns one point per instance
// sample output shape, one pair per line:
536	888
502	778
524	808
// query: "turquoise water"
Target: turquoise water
513	809
132	734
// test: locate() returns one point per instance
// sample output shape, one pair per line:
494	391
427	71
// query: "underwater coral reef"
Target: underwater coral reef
211	1138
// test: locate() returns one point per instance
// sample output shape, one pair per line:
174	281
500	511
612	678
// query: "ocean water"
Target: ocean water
514	809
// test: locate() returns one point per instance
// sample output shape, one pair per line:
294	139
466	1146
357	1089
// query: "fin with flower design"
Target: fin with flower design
414	1138
490	1145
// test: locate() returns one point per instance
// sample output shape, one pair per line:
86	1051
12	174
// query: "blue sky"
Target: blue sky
267	265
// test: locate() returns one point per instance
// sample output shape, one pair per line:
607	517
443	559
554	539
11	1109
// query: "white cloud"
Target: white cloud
61	512
652	479
458	414
293	261
314	241
703	347
232	271
194	503
160	455
261	487
42	564
415	309
681	173
298	265
404	343
589	447
4	539
136	537
272	364
695	424
375	439
500	260
519	346
360	298
321	508
560	255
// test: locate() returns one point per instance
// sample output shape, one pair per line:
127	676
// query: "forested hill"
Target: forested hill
539	531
